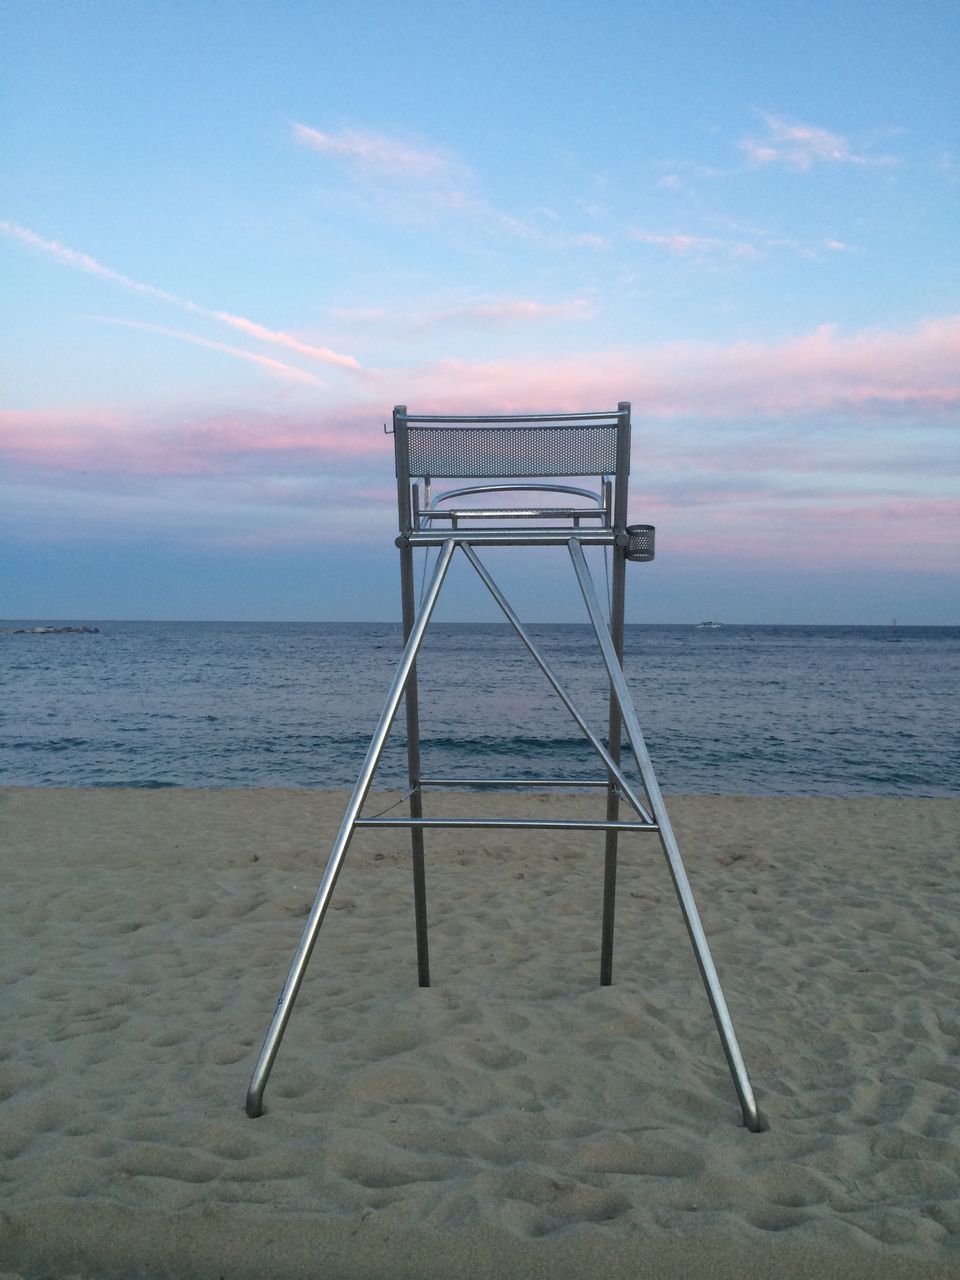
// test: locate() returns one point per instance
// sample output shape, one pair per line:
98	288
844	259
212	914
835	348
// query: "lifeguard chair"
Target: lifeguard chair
514	464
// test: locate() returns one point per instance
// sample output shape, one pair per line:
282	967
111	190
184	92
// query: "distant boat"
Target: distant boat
708	626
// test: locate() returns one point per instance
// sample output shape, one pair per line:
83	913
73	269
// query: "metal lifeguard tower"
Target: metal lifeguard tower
510	461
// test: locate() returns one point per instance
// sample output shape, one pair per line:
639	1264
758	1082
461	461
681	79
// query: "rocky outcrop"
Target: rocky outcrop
49	631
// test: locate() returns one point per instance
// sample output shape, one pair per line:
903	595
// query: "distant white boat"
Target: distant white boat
708	626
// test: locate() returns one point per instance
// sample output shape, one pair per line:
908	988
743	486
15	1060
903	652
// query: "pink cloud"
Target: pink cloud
111	441
824	371
801	146
749	445
84	262
867	378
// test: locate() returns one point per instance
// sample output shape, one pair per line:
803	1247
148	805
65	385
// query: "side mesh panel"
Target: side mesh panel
475	453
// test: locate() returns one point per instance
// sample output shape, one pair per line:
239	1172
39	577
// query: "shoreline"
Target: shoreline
514	1118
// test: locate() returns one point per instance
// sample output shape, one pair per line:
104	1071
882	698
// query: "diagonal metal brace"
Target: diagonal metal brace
258	1082
752	1117
555	684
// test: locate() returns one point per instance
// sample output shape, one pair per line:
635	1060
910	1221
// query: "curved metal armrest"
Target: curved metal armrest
515	487
434	508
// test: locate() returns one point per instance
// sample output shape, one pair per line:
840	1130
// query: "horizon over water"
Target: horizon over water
893	622
736	709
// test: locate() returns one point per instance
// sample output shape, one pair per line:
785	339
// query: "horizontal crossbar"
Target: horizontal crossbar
512	782
604	415
511	537
509	824
519	513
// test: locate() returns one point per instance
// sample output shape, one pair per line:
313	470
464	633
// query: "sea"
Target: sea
769	710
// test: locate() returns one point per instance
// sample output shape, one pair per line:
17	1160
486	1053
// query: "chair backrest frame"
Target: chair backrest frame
514	447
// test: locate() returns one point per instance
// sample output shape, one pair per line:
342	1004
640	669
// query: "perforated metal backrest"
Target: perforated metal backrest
500	448
498	452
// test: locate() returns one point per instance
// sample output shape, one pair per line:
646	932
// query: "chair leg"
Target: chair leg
752	1116
616	782
281	1016
411	703
613	796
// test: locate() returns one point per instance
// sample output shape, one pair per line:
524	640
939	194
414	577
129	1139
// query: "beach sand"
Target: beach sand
515	1119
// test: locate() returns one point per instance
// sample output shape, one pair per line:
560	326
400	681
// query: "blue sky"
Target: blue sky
232	236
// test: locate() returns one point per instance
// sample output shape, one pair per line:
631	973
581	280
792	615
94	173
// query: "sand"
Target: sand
515	1119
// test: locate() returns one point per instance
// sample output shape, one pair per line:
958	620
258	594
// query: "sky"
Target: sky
234	235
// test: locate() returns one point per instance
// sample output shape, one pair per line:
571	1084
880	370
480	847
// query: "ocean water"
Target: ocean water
736	710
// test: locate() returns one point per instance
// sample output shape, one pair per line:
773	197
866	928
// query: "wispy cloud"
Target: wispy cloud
279	339
480	313
376	152
84	262
590	240
685	246
418	185
746	242
501	312
277	367
802	146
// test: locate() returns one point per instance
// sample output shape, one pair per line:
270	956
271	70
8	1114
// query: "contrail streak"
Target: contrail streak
84	262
